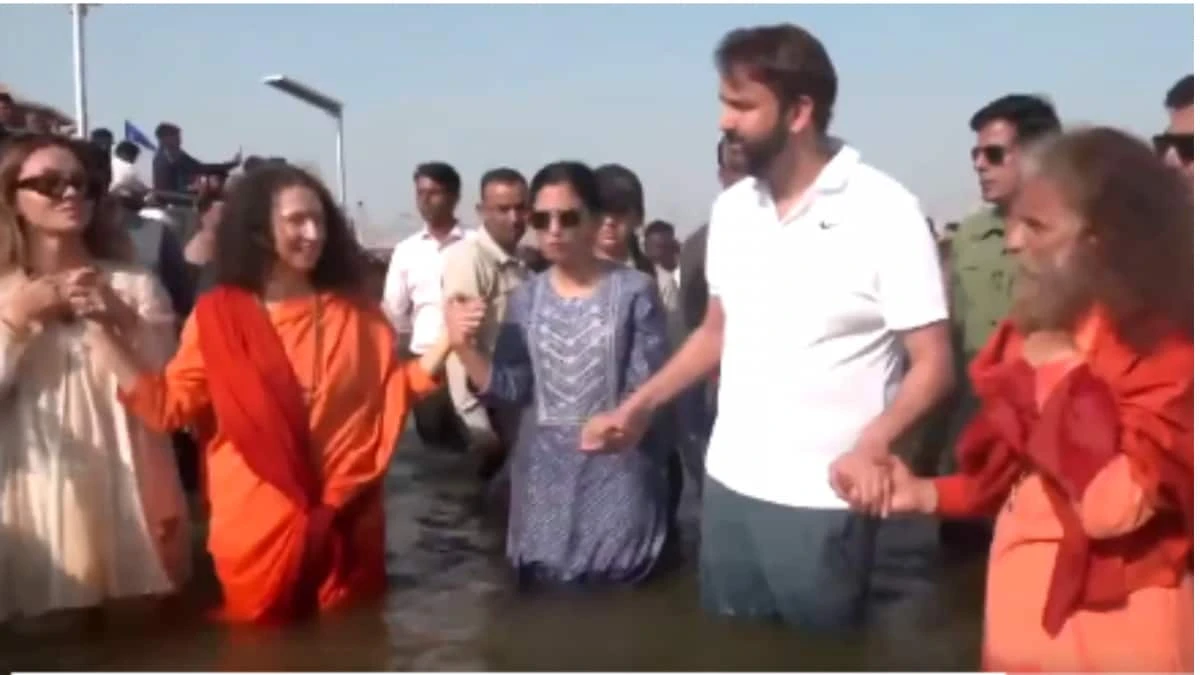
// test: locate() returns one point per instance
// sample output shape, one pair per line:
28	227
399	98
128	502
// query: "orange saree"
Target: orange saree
1088	463
293	482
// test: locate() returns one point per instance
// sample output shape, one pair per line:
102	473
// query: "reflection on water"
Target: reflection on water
451	606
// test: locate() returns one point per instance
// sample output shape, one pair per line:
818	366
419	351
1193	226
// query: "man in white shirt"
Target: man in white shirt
412	291
824	280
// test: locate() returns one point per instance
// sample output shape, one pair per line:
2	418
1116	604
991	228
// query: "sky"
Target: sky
490	85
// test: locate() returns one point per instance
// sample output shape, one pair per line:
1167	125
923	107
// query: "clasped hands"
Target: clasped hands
463	316
81	293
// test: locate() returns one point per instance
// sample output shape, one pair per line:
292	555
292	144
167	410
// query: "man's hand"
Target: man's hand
860	476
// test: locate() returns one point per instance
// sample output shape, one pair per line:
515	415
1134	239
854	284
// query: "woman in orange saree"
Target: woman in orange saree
1083	443
300	373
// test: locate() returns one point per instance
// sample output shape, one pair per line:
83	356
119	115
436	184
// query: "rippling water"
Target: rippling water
451	606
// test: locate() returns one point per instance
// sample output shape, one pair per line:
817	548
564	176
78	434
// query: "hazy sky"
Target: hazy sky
482	86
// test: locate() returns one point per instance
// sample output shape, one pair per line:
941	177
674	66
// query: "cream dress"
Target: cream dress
91	507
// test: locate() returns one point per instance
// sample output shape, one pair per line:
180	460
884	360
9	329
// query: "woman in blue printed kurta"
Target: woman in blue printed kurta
575	341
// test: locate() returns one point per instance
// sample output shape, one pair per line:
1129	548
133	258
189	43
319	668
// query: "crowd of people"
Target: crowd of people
783	358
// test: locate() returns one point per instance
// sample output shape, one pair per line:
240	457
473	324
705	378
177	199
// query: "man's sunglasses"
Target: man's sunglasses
993	154
1182	144
569	218
54	185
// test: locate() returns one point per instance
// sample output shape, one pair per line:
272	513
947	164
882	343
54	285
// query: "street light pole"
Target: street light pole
341	164
326	104
78	10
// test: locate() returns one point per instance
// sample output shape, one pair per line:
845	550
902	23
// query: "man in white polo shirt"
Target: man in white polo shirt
824	281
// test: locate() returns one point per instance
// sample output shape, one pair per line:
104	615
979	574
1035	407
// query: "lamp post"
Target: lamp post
327	104
78	11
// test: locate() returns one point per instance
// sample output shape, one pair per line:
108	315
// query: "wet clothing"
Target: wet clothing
579	517
808	567
1088	462
309	400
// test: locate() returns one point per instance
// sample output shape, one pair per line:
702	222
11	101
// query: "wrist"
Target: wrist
927	496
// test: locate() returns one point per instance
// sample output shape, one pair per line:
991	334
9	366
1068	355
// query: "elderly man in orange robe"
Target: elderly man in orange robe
1083	444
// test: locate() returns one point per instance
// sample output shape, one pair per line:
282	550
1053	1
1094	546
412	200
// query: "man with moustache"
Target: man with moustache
1177	145
487	267
823	281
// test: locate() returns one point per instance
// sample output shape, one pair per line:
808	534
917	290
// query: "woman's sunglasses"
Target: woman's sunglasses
54	185
569	218
1183	145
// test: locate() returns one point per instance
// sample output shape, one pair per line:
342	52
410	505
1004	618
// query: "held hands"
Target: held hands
872	480
615	429
82	293
90	297
463	318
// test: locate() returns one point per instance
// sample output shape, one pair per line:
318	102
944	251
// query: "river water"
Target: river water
452	606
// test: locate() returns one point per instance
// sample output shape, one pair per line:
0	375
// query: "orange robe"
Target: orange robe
257	538
1090	567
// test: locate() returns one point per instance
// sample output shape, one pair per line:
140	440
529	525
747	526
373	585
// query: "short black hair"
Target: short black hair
101	134
786	59
441	173
95	162
1032	116
244	248
165	129
6	97
504	174
127	151
252	162
660	227
1181	95
620	191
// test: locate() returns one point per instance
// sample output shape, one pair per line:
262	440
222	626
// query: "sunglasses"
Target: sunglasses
54	185
1182	144
569	218
993	154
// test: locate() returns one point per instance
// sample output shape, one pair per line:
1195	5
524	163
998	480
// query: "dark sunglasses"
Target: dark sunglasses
992	154
540	220
54	185
1182	144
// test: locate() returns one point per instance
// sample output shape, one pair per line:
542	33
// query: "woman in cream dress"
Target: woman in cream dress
91	509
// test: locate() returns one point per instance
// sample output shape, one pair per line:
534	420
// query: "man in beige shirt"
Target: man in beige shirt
487	267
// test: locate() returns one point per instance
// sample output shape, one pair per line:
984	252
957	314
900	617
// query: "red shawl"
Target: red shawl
259	407
1121	402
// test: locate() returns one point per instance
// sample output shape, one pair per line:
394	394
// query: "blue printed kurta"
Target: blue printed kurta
576	516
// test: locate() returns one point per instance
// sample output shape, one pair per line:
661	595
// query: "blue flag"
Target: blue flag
136	135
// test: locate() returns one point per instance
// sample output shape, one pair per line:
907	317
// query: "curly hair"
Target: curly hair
245	247
1138	217
103	237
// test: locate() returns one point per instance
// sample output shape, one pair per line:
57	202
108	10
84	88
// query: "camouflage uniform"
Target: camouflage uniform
980	293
